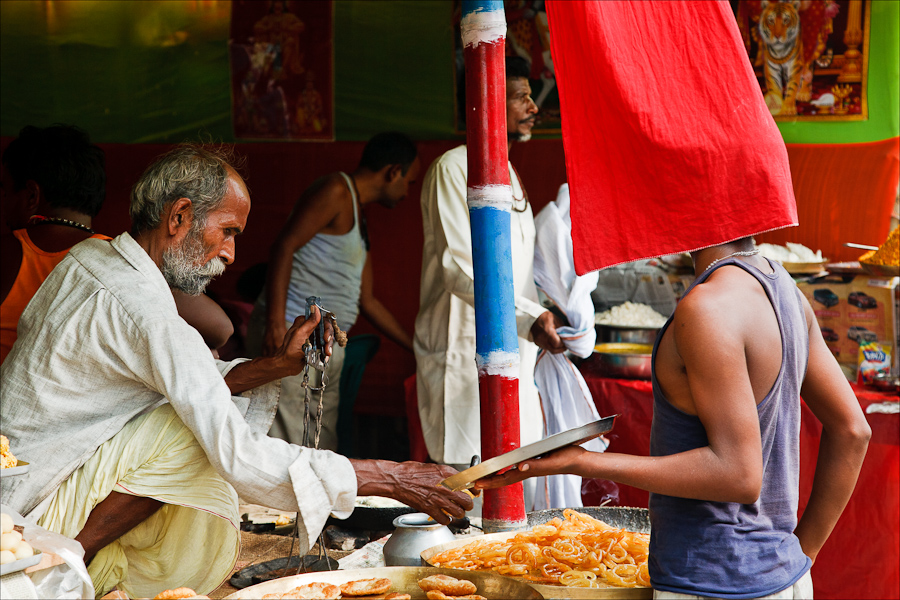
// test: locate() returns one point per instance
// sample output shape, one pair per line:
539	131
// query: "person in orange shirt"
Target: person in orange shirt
53	184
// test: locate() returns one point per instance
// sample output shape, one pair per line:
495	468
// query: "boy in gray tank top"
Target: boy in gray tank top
728	371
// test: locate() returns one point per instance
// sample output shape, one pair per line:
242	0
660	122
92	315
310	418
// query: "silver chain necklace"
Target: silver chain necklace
740	253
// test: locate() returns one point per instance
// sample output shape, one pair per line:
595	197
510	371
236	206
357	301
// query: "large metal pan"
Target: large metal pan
404	579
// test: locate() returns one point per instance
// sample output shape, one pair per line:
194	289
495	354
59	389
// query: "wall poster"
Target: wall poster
810	56
528	36
282	69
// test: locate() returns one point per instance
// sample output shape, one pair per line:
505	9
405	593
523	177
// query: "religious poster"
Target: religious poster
810	56
528	36
282	77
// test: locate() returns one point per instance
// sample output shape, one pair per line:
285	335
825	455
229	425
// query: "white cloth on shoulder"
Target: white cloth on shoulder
565	398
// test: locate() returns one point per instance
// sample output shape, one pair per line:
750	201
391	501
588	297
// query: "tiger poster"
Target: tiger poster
282	82
810	56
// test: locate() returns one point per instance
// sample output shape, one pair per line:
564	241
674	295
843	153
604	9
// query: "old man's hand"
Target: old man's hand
292	351
414	484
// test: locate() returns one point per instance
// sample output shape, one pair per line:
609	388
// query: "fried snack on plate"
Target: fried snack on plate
182	592
445	584
314	591
7	460
397	596
439	595
366	587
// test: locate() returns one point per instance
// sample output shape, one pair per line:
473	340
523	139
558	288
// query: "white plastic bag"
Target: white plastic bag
69	580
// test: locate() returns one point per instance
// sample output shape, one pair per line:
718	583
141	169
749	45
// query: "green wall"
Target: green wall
157	71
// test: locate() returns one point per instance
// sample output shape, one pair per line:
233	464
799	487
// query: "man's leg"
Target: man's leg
112	518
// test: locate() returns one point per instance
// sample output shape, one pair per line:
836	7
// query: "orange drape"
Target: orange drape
844	192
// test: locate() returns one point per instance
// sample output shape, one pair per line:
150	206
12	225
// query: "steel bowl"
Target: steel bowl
413	533
629	361
626	334
886	382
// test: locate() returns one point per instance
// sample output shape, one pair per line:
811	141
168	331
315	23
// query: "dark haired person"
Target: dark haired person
323	251
446	374
53	184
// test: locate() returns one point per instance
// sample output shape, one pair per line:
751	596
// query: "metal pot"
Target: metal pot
626	334
414	533
619	360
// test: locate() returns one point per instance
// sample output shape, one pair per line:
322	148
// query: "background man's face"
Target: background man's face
399	188
520	109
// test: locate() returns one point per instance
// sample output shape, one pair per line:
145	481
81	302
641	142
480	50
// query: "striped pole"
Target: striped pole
489	197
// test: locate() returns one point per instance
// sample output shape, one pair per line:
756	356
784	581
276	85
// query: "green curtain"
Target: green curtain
157	70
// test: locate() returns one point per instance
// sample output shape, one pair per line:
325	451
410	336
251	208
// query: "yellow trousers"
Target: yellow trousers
193	540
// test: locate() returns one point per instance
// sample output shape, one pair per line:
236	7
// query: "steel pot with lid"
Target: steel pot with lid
414	533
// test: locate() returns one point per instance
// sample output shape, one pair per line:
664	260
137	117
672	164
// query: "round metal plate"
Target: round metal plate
579	435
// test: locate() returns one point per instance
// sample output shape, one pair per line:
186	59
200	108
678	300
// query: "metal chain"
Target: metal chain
321	408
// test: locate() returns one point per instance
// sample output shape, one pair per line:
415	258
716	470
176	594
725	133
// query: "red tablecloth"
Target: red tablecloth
861	559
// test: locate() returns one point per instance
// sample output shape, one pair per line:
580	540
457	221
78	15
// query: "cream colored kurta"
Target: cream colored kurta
446	375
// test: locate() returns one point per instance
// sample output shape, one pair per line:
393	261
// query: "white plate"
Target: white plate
21	564
20	469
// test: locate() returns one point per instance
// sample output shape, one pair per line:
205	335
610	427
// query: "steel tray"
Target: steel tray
579	435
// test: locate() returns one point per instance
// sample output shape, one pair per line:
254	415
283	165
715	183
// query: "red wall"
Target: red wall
844	193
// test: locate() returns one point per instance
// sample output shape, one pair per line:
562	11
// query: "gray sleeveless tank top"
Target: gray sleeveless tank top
329	266
727	549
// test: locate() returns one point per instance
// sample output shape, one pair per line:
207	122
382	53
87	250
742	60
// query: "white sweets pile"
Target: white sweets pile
790	253
12	546
630	314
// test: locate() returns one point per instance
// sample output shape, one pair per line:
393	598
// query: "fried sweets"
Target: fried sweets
578	551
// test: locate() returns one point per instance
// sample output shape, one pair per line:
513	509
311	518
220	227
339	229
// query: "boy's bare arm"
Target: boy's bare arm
845	437
729	469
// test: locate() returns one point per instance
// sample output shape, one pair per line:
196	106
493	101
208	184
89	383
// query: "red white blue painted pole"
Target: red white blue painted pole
489	197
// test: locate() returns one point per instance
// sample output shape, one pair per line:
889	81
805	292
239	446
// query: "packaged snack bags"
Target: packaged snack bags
874	358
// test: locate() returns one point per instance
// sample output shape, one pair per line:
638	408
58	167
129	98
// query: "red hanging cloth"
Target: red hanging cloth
669	144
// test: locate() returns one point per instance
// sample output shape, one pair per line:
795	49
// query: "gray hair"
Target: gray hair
193	171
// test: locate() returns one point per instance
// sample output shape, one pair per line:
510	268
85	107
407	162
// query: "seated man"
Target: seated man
138	447
54	184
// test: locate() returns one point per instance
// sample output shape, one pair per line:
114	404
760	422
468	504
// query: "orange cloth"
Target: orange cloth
36	266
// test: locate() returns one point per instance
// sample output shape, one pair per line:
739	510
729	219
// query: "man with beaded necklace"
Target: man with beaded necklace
54	183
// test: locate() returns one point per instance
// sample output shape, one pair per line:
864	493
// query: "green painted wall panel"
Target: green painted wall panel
883	91
157	70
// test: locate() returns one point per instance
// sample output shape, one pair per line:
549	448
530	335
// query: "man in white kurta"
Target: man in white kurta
446	375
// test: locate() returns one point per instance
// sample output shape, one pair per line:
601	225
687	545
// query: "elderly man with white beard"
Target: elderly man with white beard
139	441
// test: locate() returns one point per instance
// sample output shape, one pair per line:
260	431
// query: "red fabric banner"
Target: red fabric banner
669	144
